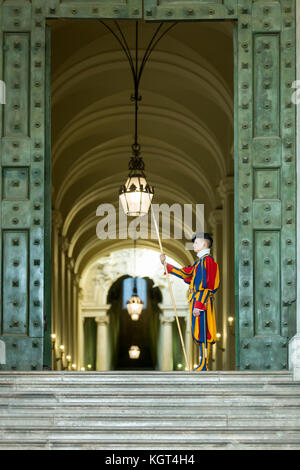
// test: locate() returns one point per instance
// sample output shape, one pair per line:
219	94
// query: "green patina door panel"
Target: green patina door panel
25	316
22	186
265	233
265	172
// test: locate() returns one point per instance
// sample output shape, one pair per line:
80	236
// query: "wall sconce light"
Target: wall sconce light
61	357
134	352
82	369
53	339
218	335
89	366
230	321
74	366
179	366
62	353
68	357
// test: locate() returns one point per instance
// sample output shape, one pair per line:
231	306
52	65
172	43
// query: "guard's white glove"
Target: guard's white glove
162	258
196	312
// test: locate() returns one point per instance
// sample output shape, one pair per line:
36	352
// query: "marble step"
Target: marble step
104	389
84	422
152	400
140	434
147	378
190	444
149	410
61	409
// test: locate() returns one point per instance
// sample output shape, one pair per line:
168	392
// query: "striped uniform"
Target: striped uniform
204	280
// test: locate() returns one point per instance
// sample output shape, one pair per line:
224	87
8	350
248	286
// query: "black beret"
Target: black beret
202	235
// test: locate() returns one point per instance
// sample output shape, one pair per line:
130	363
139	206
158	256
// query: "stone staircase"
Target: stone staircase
149	410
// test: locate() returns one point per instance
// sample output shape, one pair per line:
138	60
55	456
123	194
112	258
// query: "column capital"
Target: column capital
57	219
80	293
102	319
167	311
166	318
64	244
216	217
75	279
226	186
70	264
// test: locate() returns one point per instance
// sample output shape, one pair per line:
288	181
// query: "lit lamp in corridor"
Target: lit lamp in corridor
53	339
134	352
68	357
136	194
135	304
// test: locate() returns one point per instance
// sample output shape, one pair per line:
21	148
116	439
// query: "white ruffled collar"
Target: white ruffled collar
201	253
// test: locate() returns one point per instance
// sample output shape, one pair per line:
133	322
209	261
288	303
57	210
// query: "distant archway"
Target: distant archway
101	288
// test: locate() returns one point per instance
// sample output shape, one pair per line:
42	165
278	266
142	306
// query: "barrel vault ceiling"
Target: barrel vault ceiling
185	123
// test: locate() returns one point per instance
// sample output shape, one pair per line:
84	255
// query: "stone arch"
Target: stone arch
98	277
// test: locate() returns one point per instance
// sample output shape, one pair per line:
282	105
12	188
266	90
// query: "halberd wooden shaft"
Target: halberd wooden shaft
170	289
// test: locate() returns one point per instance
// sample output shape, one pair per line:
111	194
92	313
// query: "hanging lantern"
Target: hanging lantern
135	304
134	352
135	307
136	194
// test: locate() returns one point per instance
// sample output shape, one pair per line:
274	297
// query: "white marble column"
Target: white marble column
56	227
75	313
166	349
294	344
188	340
103	362
69	305
216	223
63	290
226	191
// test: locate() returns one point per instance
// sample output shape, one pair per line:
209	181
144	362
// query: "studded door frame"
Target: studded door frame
265	171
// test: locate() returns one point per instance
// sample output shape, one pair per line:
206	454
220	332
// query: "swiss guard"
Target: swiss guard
204	281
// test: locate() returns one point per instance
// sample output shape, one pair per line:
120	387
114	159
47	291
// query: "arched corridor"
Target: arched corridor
186	136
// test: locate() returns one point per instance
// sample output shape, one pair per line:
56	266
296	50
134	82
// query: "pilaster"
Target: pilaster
166	351
216	222
226	191
102	342
294	344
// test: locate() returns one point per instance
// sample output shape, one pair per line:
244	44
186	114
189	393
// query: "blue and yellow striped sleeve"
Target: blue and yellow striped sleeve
185	273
